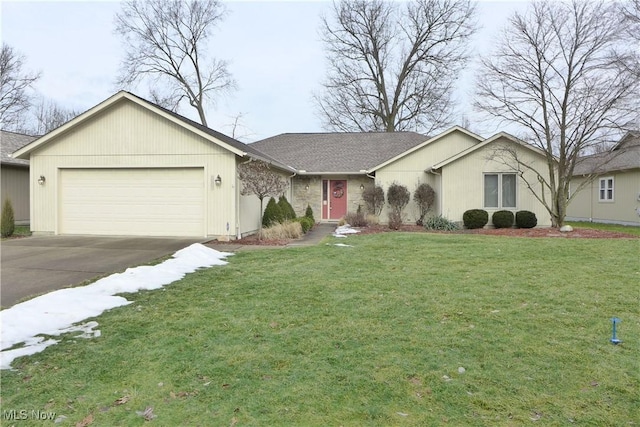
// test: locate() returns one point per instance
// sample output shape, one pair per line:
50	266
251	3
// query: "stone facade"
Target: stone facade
307	190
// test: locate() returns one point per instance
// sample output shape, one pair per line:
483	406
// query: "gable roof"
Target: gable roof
427	142
10	142
624	155
485	143
338	152
211	135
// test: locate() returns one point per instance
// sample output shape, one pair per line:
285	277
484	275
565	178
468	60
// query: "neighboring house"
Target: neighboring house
15	175
463	169
130	167
610	185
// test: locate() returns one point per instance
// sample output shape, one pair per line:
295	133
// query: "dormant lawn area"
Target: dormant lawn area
374	334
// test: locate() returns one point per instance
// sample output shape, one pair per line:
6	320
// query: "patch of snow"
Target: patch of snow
55	313
342	245
344	229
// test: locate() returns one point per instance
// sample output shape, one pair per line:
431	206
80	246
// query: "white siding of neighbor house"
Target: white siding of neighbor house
410	170
15	187
624	209
463	183
128	136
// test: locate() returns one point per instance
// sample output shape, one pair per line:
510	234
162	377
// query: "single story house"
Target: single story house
130	167
15	175
610	184
465	170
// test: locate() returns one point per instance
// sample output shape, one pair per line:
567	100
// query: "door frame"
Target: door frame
327	196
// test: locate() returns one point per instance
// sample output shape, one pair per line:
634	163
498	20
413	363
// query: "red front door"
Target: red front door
334	199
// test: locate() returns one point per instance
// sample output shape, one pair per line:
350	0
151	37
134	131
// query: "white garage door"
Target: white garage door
134	202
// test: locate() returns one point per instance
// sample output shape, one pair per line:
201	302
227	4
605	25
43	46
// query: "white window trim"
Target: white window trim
500	206
606	199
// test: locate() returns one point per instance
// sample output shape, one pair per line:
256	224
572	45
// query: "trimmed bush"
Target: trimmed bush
286	208
502	219
526	219
272	214
308	213
440	223
374	198
398	197
305	223
7	222
425	197
475	218
395	220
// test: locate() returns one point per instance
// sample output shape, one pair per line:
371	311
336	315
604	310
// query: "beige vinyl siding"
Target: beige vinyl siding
463	183
127	136
624	209
411	170
15	187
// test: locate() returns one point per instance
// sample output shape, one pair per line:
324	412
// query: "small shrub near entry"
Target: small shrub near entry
272	214
286	208
305	223
356	219
526	219
502	219
475	218
7	222
286	230
374	198
440	223
308	213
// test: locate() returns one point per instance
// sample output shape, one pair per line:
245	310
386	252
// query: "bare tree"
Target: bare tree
562	75
392	66
49	115
166	41
15	86
259	179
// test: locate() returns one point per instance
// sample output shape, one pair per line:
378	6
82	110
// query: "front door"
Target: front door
334	199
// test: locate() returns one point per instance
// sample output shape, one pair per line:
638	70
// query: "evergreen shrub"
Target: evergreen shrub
439	223
272	214
7	222
475	218
286	208
502	219
526	219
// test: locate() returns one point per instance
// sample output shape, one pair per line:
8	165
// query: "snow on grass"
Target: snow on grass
343	230
57	312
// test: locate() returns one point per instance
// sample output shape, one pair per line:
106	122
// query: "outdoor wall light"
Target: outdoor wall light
306	187
361	187
42	180
218	180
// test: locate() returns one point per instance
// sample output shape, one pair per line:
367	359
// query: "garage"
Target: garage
132	201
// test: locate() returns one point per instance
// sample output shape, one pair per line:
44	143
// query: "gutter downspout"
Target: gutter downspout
431	170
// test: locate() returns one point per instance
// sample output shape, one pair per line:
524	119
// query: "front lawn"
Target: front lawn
401	329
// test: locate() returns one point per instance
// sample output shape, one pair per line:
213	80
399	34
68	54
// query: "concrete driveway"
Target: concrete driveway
36	265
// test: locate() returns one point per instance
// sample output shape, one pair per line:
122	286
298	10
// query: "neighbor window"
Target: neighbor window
606	189
500	190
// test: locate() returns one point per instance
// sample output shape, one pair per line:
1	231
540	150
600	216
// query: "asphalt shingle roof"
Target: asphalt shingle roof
338	152
626	155
10	142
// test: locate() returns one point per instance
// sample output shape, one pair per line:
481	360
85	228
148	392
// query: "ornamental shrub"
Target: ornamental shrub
7	222
374	199
308	213
306	223
502	219
286	208
286	230
398	197
440	223
272	214
526	219
475	218
356	219
395	220
424	196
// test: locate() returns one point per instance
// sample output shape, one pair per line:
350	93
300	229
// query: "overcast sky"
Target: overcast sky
274	51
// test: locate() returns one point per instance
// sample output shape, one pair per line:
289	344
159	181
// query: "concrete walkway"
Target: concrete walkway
312	238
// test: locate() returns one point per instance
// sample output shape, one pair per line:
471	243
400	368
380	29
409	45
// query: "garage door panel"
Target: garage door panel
148	202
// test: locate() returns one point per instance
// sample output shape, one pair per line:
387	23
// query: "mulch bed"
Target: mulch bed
577	233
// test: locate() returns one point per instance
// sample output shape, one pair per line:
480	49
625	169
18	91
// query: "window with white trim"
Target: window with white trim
605	193
500	190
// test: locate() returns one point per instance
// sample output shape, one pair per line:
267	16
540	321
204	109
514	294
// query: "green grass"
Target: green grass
368	335
20	231
606	227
